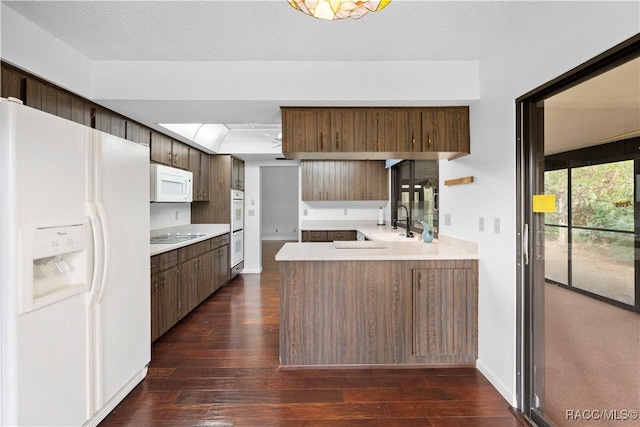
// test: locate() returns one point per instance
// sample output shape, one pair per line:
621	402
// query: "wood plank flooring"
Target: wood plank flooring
219	367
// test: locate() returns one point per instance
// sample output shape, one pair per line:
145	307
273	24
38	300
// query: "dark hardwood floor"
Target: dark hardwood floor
219	367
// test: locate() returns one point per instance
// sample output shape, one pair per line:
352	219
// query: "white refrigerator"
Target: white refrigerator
74	269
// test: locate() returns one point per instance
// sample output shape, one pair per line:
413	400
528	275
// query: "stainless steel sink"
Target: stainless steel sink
170	238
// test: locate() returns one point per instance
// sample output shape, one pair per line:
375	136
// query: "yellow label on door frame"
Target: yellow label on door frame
544	203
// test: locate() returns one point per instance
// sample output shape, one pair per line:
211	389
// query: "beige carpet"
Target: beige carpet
592	358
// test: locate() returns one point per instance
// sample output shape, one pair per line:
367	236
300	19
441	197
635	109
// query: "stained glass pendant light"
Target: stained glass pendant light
338	9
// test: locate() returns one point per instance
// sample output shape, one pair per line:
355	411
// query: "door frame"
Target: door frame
528	145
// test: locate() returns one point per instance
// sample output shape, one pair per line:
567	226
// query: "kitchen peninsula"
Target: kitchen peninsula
382	301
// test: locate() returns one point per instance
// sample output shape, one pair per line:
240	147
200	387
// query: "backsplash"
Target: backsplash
352	210
165	215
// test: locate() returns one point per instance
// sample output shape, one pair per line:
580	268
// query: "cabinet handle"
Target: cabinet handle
321	140
169	156
429	140
419	281
175	158
337	141
413	140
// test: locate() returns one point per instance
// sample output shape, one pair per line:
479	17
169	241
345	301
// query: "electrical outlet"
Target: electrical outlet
177	214
253	202
305	212
496	225
447	219
345	212
481	223
252	212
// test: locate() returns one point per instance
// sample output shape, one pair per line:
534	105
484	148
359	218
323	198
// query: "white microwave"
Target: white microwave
170	184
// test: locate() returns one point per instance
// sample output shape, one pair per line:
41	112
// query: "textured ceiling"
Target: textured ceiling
270	30
273	30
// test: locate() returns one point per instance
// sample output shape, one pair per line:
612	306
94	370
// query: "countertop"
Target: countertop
392	245
209	230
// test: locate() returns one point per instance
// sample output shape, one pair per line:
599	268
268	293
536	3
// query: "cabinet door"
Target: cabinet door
164	302
203	277
188	289
33	93
167	300
372	129
360	181
155	307
389	128
223	259
49	99
342	130
377	182
445	129
408	128
204	177
219	267
161	149
194	168
334	181
287	130
180	153
80	111
64	105
13	84
445	314
323	130
459	129
241	175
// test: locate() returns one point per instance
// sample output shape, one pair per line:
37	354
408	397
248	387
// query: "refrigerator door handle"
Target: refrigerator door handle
98	252
105	251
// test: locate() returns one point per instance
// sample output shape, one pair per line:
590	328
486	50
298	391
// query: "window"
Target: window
589	240
415	186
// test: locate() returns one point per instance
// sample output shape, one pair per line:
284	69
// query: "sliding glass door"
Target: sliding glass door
579	186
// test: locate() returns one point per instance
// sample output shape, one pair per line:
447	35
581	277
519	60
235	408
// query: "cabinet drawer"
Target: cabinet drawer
163	261
194	250
341	235
314	236
216	242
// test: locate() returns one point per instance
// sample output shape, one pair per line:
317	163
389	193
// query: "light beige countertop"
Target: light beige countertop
390	245
208	231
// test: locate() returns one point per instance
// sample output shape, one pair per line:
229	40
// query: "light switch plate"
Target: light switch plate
496	225
447	219
481	223
305	212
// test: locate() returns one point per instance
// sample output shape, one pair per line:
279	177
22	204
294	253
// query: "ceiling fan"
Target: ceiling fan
277	140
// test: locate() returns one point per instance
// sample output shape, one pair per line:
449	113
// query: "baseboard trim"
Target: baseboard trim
502	388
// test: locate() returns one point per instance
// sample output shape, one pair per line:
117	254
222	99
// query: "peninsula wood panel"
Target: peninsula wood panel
362	313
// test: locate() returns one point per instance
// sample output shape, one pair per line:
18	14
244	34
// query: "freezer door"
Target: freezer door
122	302
44	351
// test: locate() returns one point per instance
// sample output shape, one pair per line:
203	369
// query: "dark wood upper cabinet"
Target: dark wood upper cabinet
375	133
343	180
13	84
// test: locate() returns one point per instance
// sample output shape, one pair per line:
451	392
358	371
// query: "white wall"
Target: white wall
279	203
355	210
558	37
28	46
165	215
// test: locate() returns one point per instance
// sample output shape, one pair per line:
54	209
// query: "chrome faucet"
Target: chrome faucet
407	221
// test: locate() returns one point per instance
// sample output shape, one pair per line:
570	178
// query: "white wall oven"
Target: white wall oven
237	234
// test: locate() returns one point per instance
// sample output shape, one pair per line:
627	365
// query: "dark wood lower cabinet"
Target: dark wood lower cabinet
378	313
328	236
182	279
